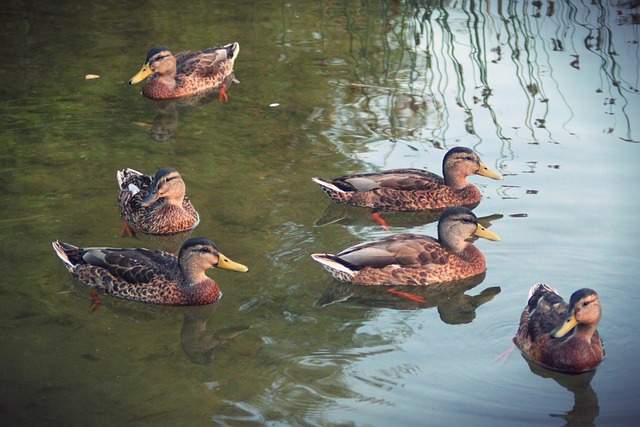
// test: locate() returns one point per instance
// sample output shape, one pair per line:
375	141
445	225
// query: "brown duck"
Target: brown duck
413	189
148	275
413	259
186	73
559	336
155	204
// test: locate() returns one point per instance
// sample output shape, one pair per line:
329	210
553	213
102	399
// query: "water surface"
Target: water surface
546	93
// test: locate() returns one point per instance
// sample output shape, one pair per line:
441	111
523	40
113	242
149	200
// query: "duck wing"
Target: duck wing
205	63
406	250
399	179
547	311
134	266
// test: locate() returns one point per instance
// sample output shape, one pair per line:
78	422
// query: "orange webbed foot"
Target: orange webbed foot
126	230
223	94
407	295
502	357
95	301
377	218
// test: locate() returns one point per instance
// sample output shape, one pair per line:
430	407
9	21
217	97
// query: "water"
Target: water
546	95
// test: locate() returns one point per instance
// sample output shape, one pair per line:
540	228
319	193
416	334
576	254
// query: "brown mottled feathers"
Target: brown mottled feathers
160	216
206	63
149	275
412	189
406	250
413	259
135	274
186	73
541	338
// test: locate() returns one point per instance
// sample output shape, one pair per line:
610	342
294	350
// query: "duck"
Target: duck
149	276
413	259
155	204
186	73
413	189
560	336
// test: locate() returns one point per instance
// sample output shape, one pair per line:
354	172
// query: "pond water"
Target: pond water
546	93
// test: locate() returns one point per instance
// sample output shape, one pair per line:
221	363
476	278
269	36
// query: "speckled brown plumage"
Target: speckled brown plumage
185	73
412	259
148	275
560	336
413	189
155	205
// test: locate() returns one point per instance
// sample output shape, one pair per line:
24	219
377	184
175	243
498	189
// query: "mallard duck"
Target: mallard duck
148	275
186	73
413	189
155	205
559	336
413	259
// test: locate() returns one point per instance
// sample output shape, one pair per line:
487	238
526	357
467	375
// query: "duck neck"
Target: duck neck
167	78
177	202
584	332
466	251
454	180
193	274
161	87
470	194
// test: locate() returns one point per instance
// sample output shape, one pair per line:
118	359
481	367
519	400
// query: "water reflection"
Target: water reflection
586	407
359	220
414	83
454	305
336	213
199	339
165	123
361	86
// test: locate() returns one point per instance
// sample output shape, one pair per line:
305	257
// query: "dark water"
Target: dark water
546	93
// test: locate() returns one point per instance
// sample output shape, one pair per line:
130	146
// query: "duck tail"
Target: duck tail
538	291
334	192
233	49
124	177
62	250
336	267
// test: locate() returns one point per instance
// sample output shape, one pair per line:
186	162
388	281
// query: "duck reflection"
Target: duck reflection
165	123
346	215
355	216
199	343
454	305
199	340
585	408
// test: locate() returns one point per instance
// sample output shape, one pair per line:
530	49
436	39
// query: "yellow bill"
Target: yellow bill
142	74
485	171
227	264
565	328
483	232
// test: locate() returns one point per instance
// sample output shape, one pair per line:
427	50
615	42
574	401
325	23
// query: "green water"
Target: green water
547	96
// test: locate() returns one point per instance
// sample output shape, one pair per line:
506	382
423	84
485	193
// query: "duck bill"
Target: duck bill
566	327
227	264
485	171
142	74
149	198
483	232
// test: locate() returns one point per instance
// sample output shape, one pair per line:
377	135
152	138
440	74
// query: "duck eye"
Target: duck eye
586	303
